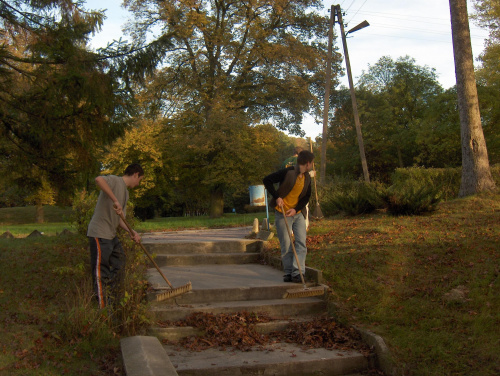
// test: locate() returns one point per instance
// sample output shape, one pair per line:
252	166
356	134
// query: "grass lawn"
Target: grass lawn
19	221
429	285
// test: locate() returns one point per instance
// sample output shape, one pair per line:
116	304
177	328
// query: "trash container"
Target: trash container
257	195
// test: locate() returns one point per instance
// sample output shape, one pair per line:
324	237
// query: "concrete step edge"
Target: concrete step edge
207	259
277	308
175	333
232	246
205	296
278	359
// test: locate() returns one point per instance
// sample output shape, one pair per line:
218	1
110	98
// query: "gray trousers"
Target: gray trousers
107	261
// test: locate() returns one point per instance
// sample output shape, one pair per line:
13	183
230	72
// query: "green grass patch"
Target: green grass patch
183	223
429	285
50	323
20	221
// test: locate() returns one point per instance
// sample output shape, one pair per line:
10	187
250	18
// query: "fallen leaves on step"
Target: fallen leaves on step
323	333
237	330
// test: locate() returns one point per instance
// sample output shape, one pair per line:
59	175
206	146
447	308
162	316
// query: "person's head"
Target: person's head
132	169
133	175
305	160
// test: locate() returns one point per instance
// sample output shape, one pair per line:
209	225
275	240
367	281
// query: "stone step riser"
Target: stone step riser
227	295
176	333
206	259
276	310
182	248
346	365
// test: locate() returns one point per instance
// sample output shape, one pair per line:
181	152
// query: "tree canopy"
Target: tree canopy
393	97
222	66
58	100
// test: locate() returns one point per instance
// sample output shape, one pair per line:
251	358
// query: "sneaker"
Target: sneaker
287	278
296	279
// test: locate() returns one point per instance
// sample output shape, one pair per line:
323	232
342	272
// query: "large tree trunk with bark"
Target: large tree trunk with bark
476	174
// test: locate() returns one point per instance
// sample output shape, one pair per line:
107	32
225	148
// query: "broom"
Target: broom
305	291
169	293
317	213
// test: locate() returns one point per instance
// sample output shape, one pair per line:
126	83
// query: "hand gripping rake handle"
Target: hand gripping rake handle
146	252
293	246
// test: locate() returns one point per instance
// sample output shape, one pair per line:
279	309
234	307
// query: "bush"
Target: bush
351	197
447	179
83	209
412	197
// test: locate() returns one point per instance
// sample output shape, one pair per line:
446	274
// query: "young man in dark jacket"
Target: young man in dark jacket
293	194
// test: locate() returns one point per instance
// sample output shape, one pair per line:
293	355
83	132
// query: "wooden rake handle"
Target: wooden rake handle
144	249
293	246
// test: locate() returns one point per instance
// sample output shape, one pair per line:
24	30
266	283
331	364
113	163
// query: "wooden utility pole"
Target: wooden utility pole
353	97
326	105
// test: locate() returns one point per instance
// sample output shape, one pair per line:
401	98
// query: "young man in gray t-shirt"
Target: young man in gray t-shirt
107	257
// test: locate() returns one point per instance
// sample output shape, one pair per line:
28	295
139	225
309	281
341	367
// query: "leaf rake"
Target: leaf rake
174	291
305	291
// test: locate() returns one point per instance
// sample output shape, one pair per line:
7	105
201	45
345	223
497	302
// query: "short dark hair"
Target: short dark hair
133	168
305	156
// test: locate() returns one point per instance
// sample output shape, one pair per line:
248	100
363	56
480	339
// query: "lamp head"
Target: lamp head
362	25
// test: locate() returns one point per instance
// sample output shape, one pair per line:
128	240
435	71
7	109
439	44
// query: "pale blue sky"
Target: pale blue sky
420	29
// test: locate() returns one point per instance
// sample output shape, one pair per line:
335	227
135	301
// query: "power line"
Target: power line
406	18
349	7
359	8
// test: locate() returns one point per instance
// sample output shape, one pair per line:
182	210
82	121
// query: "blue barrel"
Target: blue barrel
257	195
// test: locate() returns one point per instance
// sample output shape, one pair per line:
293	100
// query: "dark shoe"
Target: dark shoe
296	279
287	278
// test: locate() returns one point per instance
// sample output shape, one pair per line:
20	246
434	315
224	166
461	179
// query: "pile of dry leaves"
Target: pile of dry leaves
238	331
323	333
223	330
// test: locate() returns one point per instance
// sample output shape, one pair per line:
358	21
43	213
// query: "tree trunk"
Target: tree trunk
216	202
39	218
476	174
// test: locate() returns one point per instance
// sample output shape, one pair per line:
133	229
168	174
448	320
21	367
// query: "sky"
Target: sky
420	29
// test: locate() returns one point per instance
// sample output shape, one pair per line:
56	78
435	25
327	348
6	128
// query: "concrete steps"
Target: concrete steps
203	296
276	308
206	259
278	359
227	278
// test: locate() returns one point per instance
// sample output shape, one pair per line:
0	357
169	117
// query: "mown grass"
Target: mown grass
394	275
20	221
183	223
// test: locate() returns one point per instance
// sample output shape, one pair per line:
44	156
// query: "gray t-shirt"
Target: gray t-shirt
105	221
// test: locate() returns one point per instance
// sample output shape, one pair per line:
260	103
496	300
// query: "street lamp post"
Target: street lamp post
351	88
324	140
